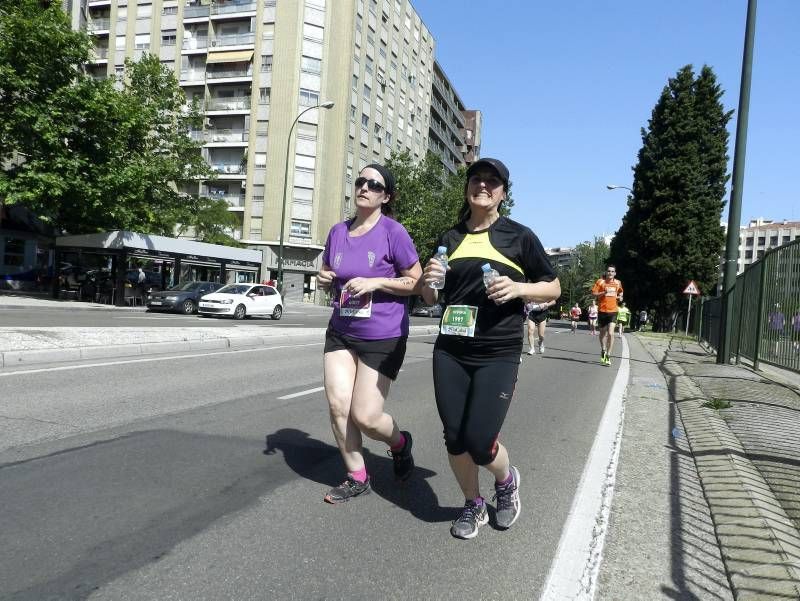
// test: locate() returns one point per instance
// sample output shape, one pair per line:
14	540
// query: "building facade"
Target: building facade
760	235
254	65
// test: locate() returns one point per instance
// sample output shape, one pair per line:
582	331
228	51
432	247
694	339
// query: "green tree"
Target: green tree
88	155
588	263
671	232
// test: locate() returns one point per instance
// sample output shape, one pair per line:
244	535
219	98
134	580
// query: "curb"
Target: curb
759	544
61	355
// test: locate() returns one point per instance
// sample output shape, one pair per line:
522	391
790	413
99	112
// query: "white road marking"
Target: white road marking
573	573
301	393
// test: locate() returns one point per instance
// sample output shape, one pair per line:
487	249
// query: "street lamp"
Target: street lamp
325	105
615	186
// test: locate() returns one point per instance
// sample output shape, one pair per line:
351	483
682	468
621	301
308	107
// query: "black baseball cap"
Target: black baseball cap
494	164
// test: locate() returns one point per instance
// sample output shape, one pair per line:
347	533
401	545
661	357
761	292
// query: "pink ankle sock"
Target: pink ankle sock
478	500
400	445
506	481
359	475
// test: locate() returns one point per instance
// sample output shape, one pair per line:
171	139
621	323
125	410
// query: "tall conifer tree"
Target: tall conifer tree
671	232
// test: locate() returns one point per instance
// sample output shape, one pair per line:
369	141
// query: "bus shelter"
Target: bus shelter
167	262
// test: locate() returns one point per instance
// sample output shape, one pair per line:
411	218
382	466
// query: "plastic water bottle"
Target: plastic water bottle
489	274
441	256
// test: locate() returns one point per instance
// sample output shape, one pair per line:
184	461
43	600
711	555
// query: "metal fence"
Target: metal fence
765	309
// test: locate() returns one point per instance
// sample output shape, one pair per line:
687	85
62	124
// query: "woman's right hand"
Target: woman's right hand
433	271
325	278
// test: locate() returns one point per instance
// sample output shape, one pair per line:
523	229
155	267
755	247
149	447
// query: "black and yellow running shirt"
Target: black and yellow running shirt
514	251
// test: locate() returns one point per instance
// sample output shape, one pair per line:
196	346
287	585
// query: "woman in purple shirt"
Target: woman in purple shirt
369	266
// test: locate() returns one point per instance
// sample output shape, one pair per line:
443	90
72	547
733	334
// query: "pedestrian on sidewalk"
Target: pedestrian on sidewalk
608	291
370	266
476	355
536	321
592	315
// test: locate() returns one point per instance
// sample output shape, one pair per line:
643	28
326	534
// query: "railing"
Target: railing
100	53
229	169
227	135
228	104
765	305
193	75
98	24
232	7
193	43
239	39
220	74
193	12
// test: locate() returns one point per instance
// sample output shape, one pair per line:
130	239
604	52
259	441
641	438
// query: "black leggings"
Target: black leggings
473	402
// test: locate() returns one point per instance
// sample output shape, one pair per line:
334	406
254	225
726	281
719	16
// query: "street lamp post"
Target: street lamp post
325	105
615	186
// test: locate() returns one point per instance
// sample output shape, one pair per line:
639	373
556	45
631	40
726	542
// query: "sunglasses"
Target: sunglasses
372	184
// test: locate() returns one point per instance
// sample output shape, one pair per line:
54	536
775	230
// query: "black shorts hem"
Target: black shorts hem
385	355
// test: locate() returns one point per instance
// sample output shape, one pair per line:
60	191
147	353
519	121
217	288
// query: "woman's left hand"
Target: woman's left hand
502	290
359	286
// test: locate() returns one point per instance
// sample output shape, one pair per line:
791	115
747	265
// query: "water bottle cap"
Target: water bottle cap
442	250
486	267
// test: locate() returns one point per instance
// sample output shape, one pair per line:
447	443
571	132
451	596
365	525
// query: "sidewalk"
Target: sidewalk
707	500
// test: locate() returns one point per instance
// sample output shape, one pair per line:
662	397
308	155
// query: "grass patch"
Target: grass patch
717	404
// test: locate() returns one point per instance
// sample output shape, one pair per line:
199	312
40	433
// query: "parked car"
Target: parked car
183	298
242	300
423	310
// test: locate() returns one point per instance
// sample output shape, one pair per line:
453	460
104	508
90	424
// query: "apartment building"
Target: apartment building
255	65
760	235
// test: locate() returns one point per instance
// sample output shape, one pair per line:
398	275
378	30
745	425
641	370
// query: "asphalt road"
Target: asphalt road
304	315
202	477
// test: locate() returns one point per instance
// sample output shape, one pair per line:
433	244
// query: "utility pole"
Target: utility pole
735	207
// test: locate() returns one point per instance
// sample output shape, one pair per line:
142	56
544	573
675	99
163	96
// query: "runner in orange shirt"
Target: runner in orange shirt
608	291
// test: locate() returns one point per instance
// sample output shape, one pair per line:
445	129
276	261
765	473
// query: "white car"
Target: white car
242	300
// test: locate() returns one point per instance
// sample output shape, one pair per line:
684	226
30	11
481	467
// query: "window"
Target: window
312	32
301	228
169	10
773	241
762	240
364	121
352	112
355	82
310	65
15	252
785	239
367	91
144	11
168	37
748	242
388	137
308	97
260	160
263	95
142	41
122	13
266	63
120	42
748	254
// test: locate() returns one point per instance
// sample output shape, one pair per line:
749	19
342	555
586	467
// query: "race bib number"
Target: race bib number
355	306
459	320
611	291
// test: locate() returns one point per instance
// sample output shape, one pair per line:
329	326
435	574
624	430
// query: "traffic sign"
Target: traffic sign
692	289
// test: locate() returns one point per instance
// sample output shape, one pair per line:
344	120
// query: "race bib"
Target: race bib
611	291
355	306
459	320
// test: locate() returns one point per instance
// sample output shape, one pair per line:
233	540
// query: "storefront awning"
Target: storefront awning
237	56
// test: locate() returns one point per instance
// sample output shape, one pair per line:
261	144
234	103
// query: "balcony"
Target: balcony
191	76
95	25
195	12
229	169
240	39
99	54
195	43
228	73
227	135
228	104
237	6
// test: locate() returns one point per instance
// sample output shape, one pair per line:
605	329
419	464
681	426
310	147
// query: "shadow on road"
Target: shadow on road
311	459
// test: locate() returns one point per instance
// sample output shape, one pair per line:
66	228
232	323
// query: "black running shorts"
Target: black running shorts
537	316
384	356
603	319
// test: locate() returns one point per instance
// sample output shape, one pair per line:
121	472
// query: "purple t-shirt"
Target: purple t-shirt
382	252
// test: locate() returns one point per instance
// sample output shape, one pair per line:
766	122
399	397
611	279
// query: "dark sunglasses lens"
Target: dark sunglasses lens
372	184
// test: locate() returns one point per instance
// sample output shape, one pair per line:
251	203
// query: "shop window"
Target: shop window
14	255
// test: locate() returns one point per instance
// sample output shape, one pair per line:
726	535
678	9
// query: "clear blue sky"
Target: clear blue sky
565	88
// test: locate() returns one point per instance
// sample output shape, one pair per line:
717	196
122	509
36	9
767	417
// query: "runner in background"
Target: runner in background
623	318
607	290
592	315
537	322
574	315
